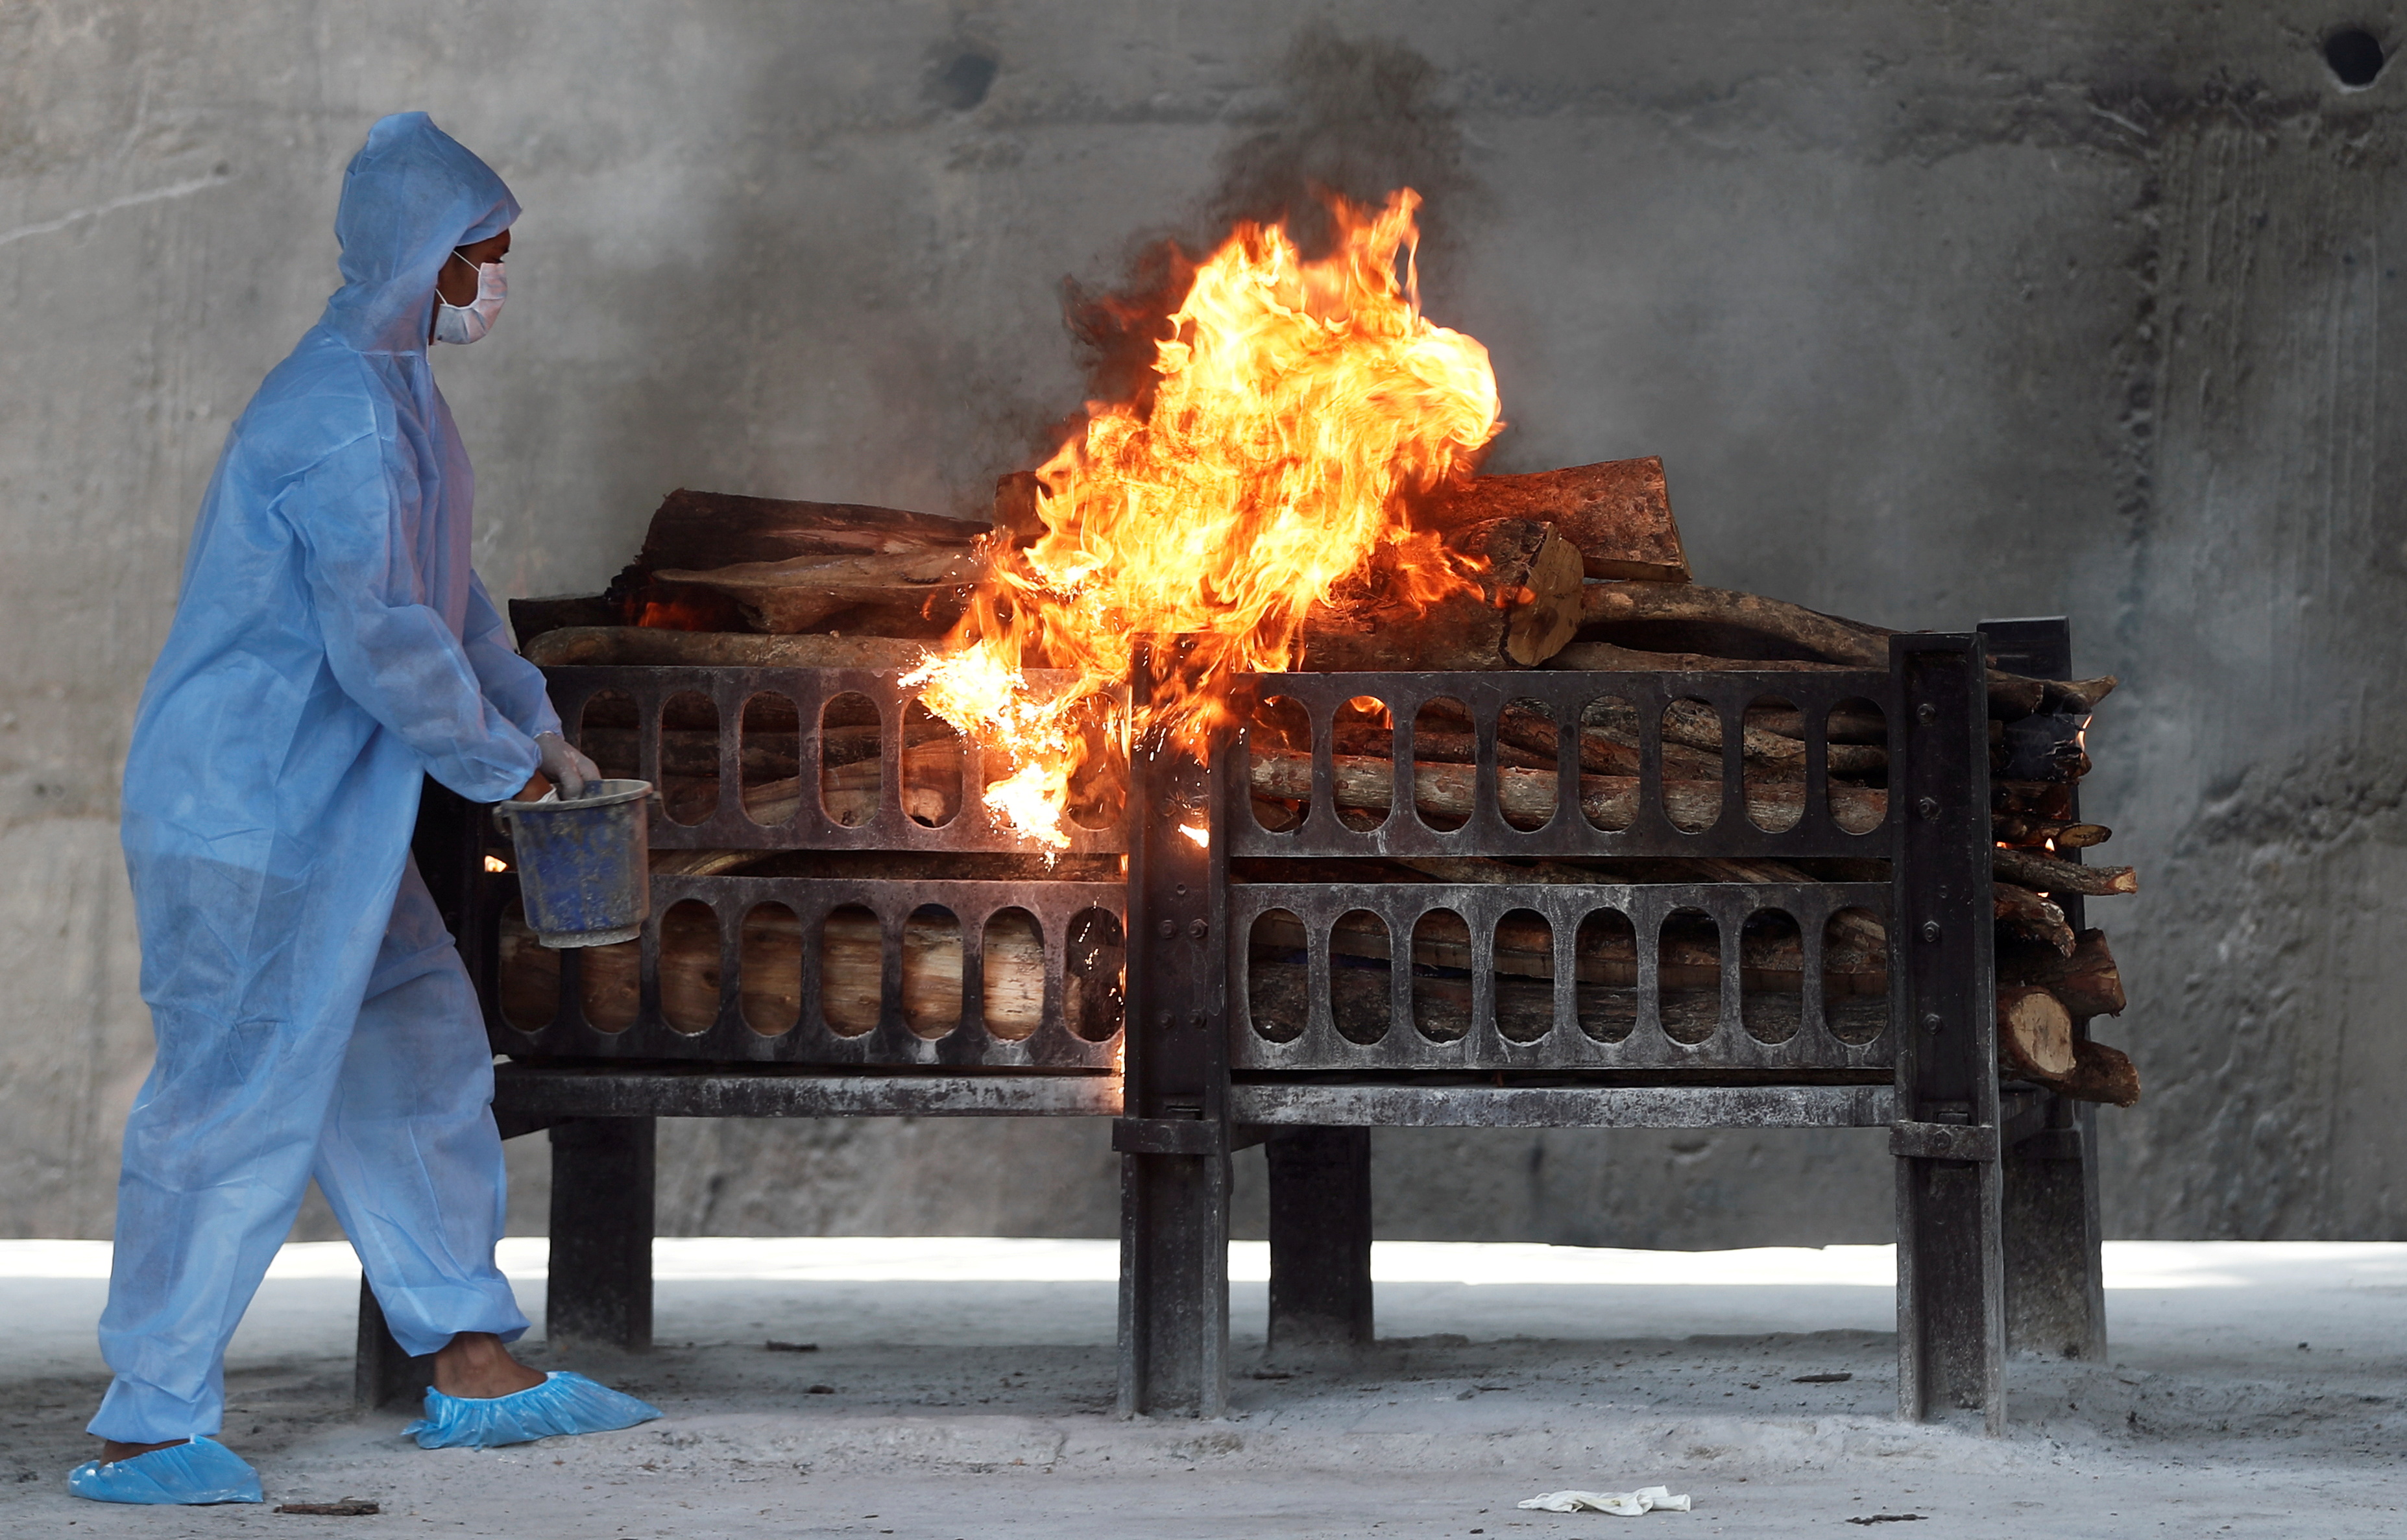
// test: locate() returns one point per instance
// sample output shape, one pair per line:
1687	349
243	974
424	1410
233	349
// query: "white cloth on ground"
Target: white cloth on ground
1629	1504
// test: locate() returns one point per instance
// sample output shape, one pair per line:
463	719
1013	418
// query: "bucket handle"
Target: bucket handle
502	813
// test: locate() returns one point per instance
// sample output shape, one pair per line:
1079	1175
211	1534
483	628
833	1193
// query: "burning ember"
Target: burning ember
1294	406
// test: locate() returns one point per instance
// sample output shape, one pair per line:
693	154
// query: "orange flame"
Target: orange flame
678	615
1294	405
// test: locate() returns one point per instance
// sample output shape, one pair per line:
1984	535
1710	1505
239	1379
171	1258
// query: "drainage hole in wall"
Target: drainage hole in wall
962	81
2354	56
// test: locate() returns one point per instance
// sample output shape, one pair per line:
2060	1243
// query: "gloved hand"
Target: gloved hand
564	766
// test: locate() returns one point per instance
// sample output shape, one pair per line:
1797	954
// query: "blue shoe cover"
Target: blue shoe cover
202	1471
563	1404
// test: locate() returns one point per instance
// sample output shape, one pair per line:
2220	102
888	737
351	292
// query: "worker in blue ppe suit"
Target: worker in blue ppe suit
329	648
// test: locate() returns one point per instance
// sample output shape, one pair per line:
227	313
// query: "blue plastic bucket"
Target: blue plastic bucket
584	867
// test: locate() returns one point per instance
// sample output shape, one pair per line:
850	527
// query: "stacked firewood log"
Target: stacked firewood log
1582	568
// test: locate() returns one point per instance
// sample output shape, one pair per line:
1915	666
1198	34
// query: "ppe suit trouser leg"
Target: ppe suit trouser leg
410	1157
217	1149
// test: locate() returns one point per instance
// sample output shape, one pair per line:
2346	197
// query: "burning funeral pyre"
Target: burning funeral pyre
1295	488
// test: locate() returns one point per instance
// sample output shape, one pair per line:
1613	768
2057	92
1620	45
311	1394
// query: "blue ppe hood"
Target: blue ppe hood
412	195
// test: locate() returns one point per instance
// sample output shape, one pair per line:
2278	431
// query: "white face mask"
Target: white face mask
465	323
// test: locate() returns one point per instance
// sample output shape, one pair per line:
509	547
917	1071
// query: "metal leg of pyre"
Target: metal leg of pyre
381	1374
1173	1138
1950	1263
600	1285
1173	1282
2055	1284
1320	1238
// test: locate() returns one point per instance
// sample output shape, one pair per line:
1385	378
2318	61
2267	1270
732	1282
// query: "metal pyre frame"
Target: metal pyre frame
1997	1192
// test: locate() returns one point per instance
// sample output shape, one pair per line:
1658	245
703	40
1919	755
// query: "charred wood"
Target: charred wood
1686	614
700	530
1610	802
917	593
689	752
1525	607
2025	830
1860	723
2047	875
2012	695
2086	980
648	647
1524	739
2080	696
2100	1074
770	748
706	862
2041	799
1018	503
1616	514
1610	737
532	617
1697	725
1724	629
1442	746
903	865
2027	913
1613	658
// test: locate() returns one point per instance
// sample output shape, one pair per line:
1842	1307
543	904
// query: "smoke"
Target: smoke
1354	117
1360	119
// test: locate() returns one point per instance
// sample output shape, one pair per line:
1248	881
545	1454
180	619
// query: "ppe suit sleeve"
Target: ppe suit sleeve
514	685
393	656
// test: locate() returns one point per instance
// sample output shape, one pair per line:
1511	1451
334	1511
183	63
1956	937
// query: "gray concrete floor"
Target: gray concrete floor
961	1387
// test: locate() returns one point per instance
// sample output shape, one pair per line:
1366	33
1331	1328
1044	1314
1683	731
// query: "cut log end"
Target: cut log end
1546	610
2034	1032
2100	1074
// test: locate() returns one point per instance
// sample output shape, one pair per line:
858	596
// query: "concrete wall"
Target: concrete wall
1934	311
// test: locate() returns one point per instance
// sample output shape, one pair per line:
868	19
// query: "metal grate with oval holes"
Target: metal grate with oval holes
931	970
768	999
1337	1002
748	724
1314	980
1319	989
1578	813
